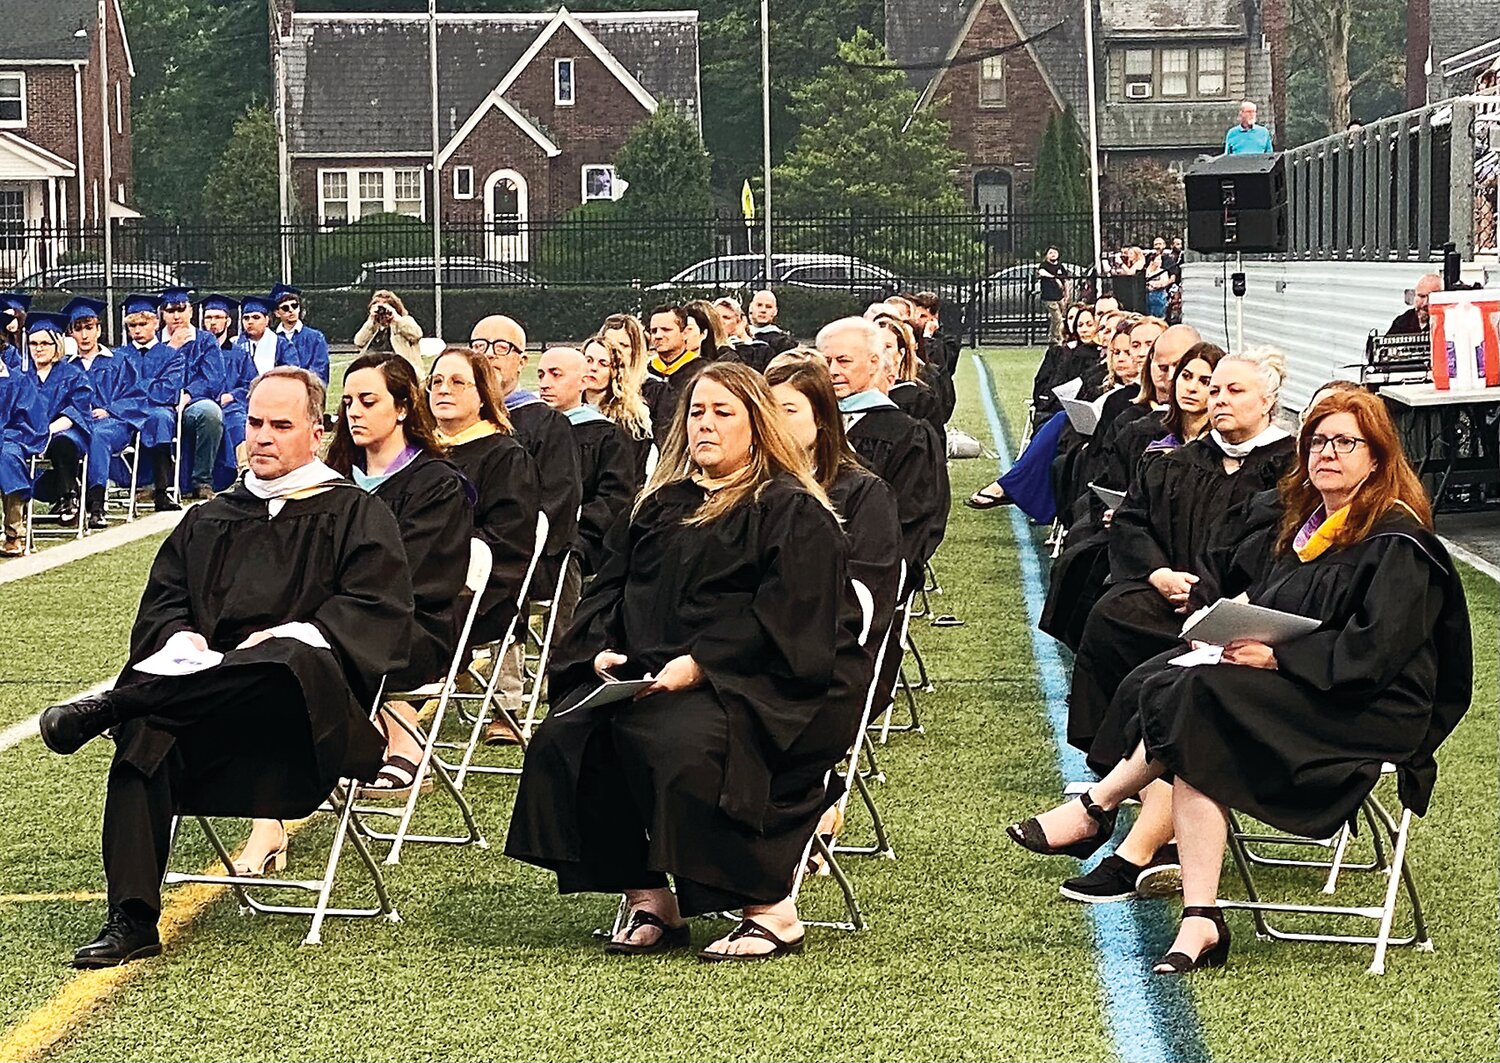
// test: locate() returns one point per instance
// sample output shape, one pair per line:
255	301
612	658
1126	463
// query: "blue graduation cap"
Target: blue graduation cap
81	309
173	295
255	304
281	291
43	321
215	301
15	301
136	303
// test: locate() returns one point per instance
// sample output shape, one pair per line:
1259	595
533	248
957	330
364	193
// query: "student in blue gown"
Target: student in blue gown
308	346
253	351
65	401
202	385
217	315
159	370
22	436
119	404
13	307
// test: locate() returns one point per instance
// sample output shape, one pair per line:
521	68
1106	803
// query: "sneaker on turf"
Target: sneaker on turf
1162	877
1112	880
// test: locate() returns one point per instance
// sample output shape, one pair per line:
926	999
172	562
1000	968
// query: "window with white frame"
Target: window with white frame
992	81
13	100
565	91
463	182
1211	71
598	183
119	110
349	195
1139	74
1174	72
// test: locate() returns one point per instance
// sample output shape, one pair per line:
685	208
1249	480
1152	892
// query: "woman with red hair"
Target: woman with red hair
1295	735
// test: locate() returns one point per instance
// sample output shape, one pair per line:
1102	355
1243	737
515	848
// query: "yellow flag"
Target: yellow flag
747	201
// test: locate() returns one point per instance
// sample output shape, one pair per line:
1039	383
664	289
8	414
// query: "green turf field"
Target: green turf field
970	954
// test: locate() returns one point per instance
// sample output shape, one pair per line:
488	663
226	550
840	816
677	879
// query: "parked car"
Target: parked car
834	273
88	279
1008	301
458	272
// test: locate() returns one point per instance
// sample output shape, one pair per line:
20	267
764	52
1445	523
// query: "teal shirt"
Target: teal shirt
1253	141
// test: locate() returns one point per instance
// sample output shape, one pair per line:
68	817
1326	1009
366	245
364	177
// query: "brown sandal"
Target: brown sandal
749	928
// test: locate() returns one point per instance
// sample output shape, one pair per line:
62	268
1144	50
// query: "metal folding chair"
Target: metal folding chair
342	805
74	529
534	667
481	562
1248	848
131	456
906	688
488	704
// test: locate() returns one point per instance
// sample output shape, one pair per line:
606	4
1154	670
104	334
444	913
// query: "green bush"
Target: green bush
335	257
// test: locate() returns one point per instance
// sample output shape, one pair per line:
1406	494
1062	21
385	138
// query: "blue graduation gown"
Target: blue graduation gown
66	393
306	348
115	390
159	370
239	373
21	436
203	367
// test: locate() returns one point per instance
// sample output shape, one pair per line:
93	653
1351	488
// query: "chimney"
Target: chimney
1273	23
1418	45
281	12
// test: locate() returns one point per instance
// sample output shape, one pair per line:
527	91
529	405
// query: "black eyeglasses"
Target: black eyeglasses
1340	444
489	348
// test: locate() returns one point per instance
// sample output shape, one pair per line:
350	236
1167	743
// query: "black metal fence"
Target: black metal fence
982	264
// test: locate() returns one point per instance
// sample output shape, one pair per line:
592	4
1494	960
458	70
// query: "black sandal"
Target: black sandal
749	928
1216	955
1029	834
395	779
980	500
671	937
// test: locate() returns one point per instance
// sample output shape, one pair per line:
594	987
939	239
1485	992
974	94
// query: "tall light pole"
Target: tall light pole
765	120
109	175
437	175
1088	48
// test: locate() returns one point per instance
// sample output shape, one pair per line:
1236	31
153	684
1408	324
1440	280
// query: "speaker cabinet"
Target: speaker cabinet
1237	203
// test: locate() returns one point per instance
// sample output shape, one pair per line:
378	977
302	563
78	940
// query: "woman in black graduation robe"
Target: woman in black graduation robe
473	425
717	775
1295	735
385	418
1076	357
614	362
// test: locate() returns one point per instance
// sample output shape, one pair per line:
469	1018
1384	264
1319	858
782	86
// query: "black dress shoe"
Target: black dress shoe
164	504
97	521
121	940
66	727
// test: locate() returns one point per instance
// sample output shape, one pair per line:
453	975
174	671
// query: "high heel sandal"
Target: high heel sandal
274	861
1216	955
1028	834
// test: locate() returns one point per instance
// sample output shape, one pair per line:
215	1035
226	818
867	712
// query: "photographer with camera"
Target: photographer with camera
390	328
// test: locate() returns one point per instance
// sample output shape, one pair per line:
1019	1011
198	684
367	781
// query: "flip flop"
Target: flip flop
980	500
671	937
749	928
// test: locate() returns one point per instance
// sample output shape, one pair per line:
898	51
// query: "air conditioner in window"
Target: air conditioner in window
1138	90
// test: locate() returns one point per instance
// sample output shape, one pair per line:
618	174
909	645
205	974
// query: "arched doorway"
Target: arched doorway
506	211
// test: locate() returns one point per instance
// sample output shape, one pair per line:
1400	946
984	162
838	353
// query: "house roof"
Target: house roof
920	33
357	81
45	29
1153	16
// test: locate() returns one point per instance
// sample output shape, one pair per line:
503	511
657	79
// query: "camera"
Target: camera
382	310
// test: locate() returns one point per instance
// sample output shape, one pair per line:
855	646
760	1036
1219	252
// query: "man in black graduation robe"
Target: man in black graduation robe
671	371
763	326
743	347
606	455
298	579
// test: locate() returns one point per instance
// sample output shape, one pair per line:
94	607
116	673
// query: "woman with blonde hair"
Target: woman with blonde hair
728	589
390	328
912	394
1295	734
611	384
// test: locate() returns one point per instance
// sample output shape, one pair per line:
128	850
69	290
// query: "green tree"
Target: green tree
242	186
667	168
856	152
1347	61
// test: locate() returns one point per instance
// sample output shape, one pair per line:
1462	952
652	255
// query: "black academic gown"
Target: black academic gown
937	376
230	569
607	459
504	479
1061	363
1166	521
776	338
872	524
754	353
1385	679
663	393
907	454
434	508
548	438
917	399
720	785
1074	465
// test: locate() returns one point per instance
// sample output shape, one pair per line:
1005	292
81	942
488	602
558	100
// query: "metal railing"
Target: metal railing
1400	188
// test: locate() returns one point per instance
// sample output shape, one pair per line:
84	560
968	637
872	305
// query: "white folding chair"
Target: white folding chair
74	529
904	685
342	805
1247	847
534	668
131	456
488	701
481	562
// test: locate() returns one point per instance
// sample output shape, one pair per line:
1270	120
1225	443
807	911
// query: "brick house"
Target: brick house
56	120
1169	77
1448	42
532	109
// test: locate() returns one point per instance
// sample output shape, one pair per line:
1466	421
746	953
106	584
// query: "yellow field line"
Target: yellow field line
29	898
87	991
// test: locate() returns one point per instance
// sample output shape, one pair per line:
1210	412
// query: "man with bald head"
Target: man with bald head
605	453
1415	320
763	326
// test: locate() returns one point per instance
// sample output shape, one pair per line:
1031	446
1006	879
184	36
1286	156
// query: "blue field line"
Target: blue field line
1150	1018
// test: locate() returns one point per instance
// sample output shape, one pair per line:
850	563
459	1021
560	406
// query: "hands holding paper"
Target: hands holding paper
1173	586
680	673
1250	653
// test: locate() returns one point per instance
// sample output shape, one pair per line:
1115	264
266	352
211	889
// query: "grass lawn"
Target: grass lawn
969	954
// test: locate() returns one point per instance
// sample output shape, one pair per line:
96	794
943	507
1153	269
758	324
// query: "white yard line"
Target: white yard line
1469	557
97	543
17	733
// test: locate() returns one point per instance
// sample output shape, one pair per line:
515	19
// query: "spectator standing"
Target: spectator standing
1246	137
390	328
1054	277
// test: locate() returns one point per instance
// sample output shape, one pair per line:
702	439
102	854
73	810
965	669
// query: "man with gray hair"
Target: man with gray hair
1246	137
270	616
904	452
